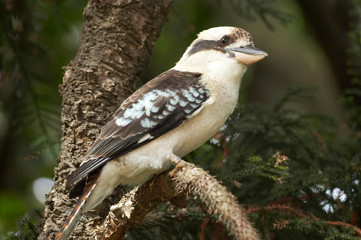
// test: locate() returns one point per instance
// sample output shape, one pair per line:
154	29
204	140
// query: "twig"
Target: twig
347	225
202	235
287	208
284	208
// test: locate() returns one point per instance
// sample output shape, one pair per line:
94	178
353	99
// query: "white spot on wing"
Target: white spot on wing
173	101
176	97
171	93
162	93
146	123
155	109
122	122
188	110
183	103
133	113
194	92
151	96
194	105
145	137
149	99
137	106
170	107
148	105
188	95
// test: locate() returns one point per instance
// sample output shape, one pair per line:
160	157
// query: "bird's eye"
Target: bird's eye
224	41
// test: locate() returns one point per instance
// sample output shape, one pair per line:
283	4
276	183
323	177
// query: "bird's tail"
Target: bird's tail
77	213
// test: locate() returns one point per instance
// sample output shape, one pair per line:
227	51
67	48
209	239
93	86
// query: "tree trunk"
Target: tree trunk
117	41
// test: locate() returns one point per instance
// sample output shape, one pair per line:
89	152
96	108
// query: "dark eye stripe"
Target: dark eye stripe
206	45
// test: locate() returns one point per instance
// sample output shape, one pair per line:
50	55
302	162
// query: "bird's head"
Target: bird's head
221	44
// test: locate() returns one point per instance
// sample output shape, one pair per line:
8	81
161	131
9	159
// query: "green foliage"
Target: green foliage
29	88
274	169
11	207
25	227
263	9
317	180
352	95
33	50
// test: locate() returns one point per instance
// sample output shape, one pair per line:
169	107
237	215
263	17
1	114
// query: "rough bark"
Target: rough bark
117	41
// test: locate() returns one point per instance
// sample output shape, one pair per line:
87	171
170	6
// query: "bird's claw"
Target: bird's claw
177	161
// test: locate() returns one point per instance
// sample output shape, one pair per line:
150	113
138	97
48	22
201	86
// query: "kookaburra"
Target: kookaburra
168	117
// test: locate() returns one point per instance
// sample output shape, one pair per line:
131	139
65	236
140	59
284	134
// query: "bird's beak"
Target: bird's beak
247	54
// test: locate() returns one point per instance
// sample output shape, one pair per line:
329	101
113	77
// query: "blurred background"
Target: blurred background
310	45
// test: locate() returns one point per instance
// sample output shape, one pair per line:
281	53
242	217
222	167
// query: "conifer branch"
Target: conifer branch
278	207
347	225
290	209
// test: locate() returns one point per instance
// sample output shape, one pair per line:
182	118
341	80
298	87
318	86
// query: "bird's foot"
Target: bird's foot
179	164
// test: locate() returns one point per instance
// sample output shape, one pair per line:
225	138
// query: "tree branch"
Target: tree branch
189	180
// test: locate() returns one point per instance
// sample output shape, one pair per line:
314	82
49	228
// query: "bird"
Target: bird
168	117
